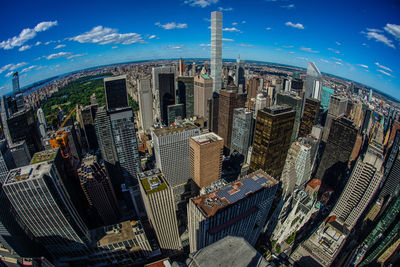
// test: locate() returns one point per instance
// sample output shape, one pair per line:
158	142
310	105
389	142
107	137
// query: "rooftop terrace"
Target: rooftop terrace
210	203
174	129
43	156
153	181
117	233
27	172
278	109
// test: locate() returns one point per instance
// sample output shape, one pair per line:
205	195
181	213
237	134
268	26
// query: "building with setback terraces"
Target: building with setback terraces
238	209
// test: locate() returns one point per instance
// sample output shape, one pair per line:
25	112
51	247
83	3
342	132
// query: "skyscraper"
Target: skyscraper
86	116
238	209
326	94
15	82
163	91
186	94
239	75
296	103
206	159
43	204
116	94
228	101
337	108
272	135
98	190
242	131
202	92
310	116
176	111
313	82
160	208
145	98
216	50
335	157
42	122
171	149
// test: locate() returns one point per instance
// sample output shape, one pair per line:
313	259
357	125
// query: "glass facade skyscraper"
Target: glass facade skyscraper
326	97
216	50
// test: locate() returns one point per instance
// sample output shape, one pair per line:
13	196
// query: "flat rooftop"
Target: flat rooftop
206	138
43	156
153	181
211	203
278	109
117	233
113	78
27	172
174	129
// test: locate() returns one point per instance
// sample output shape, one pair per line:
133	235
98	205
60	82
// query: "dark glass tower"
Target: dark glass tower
310	116
186	95
116	94
166	83
15	83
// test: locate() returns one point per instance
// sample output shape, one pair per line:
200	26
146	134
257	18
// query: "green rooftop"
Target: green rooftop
154	183
43	156
205	76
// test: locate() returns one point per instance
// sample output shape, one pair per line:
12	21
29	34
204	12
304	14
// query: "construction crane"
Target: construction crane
60	138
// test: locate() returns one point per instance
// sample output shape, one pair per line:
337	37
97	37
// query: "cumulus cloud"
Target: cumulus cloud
171	25
38	43
307	49
12	66
268	28
28	68
246	45
337	43
58	55
200	3
324	60
295	25
103	35
243	22
337	59
152	36
338	63
60	46
233	29
287	46
386	73
114	47
26	35
77	55
378	36
24	47
227	40
205	44
9	74
291	6
334	50
363	66
393	29
225	9
383	67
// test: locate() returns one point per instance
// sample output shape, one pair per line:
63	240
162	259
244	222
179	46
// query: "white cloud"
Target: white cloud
246	45
45	25
205	44
268	28
233	29
60	46
378	37
24	47
114	47
307	49
363	66
297	25
12	66
338	63
103	35
393	29
26	35
243	22
77	55
171	25
227	40
38	43
386	73
334	50
291	6
383	67
292	52
337	43
287	46
9	74
234	23
58	55
28	68
200	3
225	9
324	60
152	36
337	59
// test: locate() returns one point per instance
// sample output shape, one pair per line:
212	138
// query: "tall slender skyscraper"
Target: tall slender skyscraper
15	82
145	104
163	91
160	208
116	94
239	75
216	50
313	82
272	135
242	131
186	94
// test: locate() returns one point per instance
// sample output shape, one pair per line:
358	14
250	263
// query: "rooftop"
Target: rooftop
153	181
278	109
206	138
174	129
210	203
107	79
205	76
117	233
220	254
46	155
28	172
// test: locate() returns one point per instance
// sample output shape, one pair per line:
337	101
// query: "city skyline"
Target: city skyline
47	39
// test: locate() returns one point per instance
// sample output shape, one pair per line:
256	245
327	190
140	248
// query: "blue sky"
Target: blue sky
359	40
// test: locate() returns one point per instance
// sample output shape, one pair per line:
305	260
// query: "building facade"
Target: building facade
216	50
186	95
115	90
203	85
242	131
296	103
310	116
145	98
